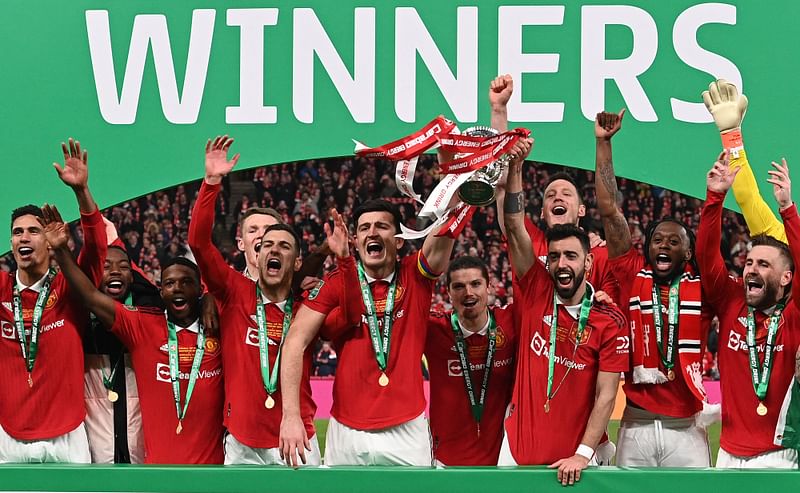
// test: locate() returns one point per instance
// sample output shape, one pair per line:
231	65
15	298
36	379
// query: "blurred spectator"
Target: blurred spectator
325	361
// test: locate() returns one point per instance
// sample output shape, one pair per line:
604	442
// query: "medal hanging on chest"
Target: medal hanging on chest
174	369
270	379
381	340
759	375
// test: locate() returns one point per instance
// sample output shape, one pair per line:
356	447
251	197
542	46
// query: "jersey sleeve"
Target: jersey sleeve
717	284
602	276
437	321
348	312
792	222
538	239
615	341
215	271
537	279
95	246
757	214
128	324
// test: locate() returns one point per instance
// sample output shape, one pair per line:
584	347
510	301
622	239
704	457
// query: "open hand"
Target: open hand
217	163
75	172
338	237
56	232
781	184
720	178
725	104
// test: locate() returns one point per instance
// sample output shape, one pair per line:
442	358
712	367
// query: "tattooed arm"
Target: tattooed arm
618	235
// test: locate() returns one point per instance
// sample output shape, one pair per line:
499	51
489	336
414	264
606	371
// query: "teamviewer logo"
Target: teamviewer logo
162	373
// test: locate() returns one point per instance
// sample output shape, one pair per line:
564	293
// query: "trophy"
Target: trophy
479	190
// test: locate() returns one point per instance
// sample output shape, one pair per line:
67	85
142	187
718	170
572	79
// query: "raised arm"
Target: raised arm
728	108
782	188
519	242
348	313
75	174
618	234
57	235
212	265
713	274
500	91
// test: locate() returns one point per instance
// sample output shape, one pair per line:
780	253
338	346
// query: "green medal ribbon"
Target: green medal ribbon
761	376
476	405
29	351
174	369
583	319
673	311
380	341
270	380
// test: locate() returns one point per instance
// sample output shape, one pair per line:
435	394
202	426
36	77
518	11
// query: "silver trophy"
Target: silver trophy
479	190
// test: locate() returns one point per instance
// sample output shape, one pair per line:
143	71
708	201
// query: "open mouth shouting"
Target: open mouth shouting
179	303
663	262
25	253
564	278
558	210
273	266
754	287
374	249
115	287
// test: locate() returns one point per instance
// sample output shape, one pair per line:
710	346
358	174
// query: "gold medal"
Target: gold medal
179	429
670	375
112	396
761	410
547	406
270	402
383	381
30	381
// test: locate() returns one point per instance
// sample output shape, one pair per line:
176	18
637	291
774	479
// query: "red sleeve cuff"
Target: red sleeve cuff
789	213
92	218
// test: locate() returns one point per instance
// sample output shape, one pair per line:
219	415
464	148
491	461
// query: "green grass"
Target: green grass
613	429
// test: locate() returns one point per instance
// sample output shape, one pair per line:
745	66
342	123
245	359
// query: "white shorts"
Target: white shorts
602	456
408	444
777	459
72	447
650	440
238	453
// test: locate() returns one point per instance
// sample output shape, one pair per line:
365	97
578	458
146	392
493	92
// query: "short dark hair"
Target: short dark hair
31	209
562	175
288	229
180	261
121	249
468	262
378	205
563	231
783	248
263	211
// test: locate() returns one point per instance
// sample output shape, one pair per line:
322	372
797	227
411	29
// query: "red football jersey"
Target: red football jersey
744	432
455	438
536	437
55	404
601	275
246	416
671	398
144	333
359	401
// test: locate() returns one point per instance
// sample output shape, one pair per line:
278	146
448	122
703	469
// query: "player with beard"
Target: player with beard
470	353
113	416
378	400
757	329
178	367
254	312
42	405
661	293
572	348
561	202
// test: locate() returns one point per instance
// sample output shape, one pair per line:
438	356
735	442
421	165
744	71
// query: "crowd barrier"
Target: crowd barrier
245	479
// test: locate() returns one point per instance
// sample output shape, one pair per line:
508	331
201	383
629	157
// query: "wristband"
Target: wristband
585	451
732	141
514	202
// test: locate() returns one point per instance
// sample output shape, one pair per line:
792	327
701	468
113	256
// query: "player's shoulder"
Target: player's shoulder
609	314
439	319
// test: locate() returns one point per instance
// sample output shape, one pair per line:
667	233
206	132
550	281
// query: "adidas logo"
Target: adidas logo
743	321
7	305
548	319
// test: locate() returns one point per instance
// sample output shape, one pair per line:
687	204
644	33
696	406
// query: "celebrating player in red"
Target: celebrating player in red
178	366
661	293
470	353
254	319
378	400
571	352
562	202
758	327
42	406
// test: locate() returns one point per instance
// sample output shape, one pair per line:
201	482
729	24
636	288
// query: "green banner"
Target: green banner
143	84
